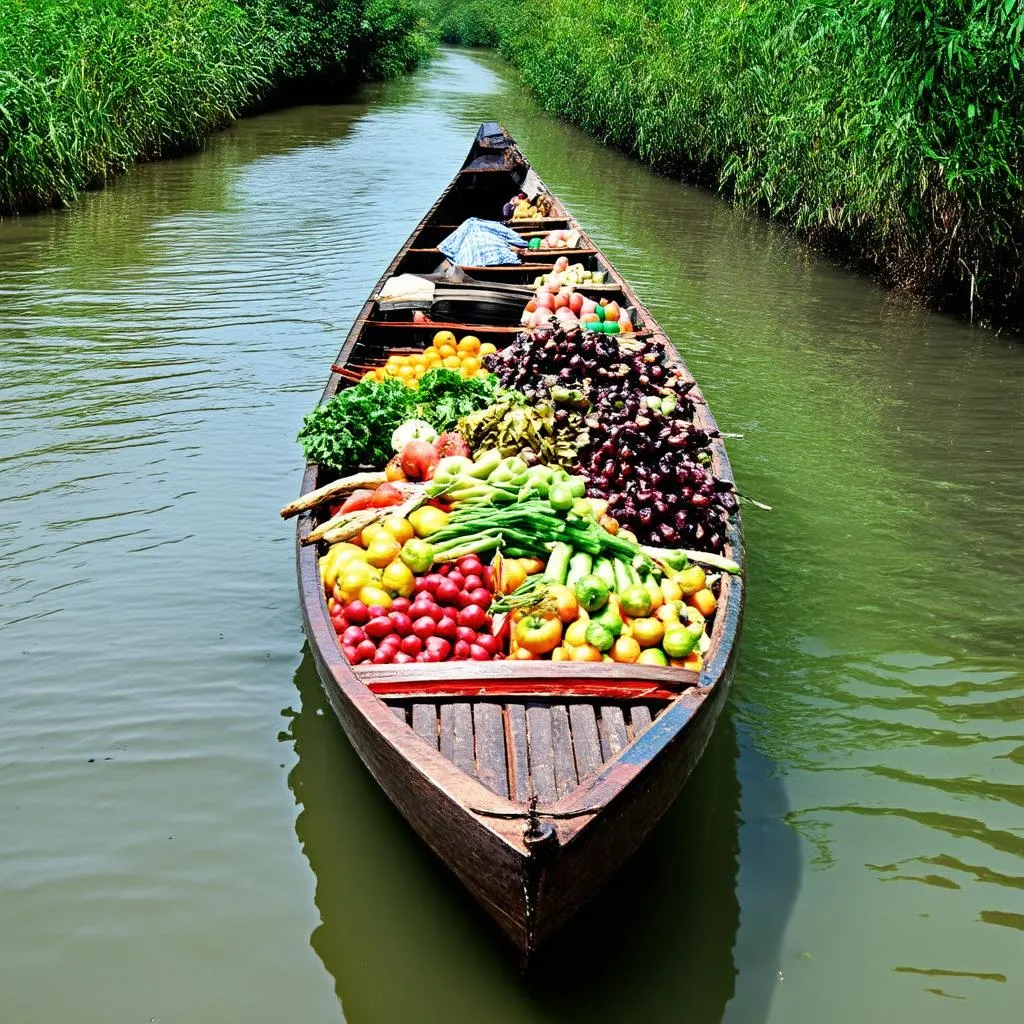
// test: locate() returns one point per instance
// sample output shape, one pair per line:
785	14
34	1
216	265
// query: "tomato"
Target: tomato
538	635
633	600
567	606
652	656
561	654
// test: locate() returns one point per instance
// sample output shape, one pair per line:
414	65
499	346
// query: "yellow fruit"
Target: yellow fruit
431	356
487	349
668	613
398	579
625	650
452	363
446	351
470	364
443	338
657	598
367	536
560	654
356	576
648	632
482	374
372	595
690	580
399	528
671	591
427	520
383	549
576	634
470	344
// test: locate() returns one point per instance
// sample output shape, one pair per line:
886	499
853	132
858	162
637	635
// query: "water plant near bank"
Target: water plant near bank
886	133
87	87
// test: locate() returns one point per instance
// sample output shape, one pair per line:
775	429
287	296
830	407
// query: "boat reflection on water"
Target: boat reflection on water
404	940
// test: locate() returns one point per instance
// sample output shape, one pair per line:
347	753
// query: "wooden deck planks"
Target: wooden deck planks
641	716
586	741
424	722
561	741
457	735
612	729
489	733
536	748
542	752
518	752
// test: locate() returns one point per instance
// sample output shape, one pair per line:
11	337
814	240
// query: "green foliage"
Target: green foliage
354	428
469	22
887	130
88	86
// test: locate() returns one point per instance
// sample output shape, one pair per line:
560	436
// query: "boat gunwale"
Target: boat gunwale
615	777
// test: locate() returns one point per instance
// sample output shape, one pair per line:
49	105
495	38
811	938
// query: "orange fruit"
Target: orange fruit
470	343
704	601
444	338
626	650
470	364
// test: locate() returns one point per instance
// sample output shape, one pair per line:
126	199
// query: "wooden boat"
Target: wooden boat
533	781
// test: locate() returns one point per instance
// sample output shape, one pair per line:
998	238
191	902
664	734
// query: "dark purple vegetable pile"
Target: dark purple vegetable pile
644	454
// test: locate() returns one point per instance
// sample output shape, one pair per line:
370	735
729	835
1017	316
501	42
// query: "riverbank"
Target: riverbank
87	87
889	138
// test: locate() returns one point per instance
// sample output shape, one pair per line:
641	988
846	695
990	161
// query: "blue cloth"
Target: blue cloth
481	243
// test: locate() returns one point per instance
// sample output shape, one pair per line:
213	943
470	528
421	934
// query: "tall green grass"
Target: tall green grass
890	132
88	86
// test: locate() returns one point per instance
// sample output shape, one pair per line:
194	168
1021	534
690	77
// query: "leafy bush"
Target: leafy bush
88	86
469	22
889	131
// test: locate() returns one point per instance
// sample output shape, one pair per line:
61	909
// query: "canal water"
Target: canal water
185	834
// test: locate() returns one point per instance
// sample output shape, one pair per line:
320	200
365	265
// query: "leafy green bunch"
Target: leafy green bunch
354	428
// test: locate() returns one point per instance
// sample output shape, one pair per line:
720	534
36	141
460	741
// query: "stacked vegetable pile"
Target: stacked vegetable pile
536	511
644	453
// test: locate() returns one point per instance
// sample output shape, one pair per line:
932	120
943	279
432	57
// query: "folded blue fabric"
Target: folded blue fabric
481	243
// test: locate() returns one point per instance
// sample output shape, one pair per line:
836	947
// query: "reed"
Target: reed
89	86
887	133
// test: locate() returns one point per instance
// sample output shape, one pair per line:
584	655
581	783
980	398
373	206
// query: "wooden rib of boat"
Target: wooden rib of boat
460	748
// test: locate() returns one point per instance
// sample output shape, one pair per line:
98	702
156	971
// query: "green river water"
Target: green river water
185	834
